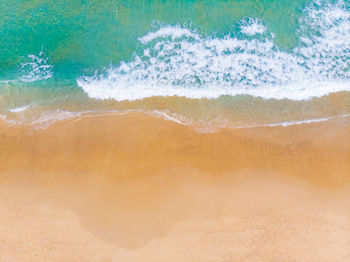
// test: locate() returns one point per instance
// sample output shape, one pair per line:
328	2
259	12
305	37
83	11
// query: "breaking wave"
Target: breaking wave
180	61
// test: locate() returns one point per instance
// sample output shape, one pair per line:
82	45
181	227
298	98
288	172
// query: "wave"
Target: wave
179	61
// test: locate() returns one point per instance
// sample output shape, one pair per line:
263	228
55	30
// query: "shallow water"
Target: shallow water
208	64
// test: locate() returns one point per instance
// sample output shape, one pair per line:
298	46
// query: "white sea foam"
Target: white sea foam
50	117
178	61
172	32
300	122
37	69
296	122
289	123
218	124
166	115
42	121
19	109
252	27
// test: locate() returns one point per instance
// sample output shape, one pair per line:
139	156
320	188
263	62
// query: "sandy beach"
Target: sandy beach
135	187
175	131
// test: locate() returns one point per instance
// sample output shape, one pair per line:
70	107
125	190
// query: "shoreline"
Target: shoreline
84	143
133	187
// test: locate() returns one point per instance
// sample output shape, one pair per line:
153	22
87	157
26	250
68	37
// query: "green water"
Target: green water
83	34
242	56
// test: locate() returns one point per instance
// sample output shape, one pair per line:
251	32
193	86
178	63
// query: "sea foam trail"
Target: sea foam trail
47	118
42	121
179	61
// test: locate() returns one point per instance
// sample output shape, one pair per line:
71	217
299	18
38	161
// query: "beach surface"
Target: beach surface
135	187
175	131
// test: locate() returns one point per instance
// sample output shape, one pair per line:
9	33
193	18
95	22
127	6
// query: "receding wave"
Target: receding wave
180	61
42	121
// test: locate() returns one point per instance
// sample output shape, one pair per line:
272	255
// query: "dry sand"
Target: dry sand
137	188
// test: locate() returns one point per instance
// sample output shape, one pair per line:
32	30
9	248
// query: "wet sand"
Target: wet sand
138	188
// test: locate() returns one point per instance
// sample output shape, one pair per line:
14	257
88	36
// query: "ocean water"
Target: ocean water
202	63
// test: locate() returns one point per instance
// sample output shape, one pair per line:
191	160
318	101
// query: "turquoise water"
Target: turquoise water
73	55
88	34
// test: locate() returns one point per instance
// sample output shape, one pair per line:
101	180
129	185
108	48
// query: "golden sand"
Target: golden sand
138	188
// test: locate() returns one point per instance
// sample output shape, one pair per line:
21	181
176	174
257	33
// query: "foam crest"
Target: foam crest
177	61
252	27
172	32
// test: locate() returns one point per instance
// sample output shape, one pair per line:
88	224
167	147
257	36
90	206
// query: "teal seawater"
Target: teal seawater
57	53
82	34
